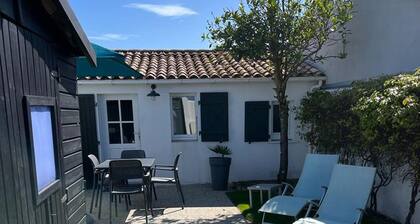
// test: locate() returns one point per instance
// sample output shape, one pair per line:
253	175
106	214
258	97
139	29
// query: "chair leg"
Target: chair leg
178	188
116	207
154	191
100	199
98	187
110	207
93	193
150	199
145	205
126	202
129	200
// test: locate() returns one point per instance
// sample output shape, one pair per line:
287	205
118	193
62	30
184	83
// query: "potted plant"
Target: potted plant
219	167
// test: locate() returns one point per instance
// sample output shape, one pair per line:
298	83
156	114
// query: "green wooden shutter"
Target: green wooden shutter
214	117
256	121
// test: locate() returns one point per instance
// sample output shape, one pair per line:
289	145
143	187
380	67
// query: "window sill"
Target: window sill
184	139
277	141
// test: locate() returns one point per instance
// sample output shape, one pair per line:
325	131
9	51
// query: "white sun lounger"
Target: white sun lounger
311	187
346	198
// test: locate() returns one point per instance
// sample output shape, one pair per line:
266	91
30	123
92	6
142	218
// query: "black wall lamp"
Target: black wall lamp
153	93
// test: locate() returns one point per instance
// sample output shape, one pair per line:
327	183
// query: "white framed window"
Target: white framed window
183	116
274	121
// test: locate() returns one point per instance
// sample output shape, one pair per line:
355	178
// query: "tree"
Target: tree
390	117
286	33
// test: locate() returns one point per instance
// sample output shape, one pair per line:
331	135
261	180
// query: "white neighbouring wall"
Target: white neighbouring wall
385	39
258	160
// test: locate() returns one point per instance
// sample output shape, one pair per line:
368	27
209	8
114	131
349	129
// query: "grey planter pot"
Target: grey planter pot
219	167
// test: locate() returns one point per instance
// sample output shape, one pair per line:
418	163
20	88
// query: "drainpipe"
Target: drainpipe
317	86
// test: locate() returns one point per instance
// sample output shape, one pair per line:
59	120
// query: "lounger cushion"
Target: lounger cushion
284	205
316	221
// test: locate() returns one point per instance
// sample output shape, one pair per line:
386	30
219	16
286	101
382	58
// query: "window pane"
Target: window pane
126	110
128	133
112	110
42	134
114	133
276	119
183	115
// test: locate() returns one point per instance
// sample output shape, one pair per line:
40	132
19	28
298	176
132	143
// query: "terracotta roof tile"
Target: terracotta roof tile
203	64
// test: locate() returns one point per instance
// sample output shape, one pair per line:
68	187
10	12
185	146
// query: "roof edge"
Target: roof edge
87	49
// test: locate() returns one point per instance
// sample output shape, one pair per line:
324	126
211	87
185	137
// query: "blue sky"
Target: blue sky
140	24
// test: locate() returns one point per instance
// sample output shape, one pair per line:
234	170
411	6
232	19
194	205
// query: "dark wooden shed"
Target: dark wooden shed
41	171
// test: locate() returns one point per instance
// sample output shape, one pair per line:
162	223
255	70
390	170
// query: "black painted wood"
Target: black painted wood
89	134
76	202
31	64
68	101
71	146
72	160
70	117
74	189
78	215
72	175
70	131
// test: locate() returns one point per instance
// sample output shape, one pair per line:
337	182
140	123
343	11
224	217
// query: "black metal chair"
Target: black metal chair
119	172
133	154
97	187
168	180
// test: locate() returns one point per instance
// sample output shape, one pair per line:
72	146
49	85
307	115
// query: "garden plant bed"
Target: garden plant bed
241	200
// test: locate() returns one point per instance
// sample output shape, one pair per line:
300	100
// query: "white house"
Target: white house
204	98
385	39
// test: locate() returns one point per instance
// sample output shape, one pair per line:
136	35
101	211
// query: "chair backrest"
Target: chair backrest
126	169
177	160
133	154
94	160
348	192
316	173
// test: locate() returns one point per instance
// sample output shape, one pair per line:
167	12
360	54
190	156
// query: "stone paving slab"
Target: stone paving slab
203	205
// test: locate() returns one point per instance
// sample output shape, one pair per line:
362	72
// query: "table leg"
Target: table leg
250	198
261	197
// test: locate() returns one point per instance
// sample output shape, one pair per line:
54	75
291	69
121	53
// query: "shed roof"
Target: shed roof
109	64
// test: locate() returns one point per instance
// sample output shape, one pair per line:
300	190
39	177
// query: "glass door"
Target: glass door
121	127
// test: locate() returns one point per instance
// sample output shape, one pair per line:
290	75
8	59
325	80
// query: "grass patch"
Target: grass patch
241	200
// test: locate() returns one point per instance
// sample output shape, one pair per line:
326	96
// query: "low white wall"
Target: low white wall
394	200
249	161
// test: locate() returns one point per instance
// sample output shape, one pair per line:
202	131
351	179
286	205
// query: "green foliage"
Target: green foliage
222	150
390	125
376	121
328	123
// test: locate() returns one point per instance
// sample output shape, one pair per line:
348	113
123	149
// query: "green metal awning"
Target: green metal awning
109	64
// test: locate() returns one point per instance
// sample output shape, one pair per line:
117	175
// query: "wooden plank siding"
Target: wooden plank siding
30	65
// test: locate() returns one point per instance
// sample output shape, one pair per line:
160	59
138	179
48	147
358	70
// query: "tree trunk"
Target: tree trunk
284	135
413	202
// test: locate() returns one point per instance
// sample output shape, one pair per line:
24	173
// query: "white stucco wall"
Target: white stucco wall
385	39
249	161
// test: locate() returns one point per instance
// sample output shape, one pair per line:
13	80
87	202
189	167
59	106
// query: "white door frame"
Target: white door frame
114	150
